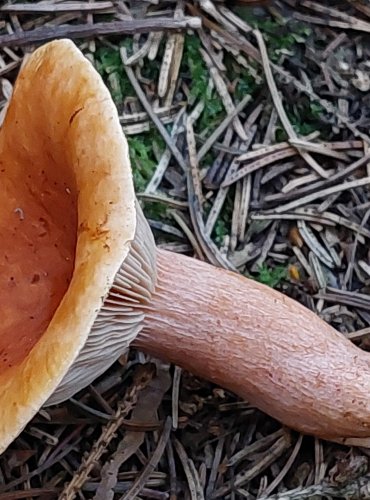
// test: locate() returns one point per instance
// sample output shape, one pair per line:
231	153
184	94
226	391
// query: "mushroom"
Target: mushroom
82	279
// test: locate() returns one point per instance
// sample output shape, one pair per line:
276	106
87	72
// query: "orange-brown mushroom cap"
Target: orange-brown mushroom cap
67	222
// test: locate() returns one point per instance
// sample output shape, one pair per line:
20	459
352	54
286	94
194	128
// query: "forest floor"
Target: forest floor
277	98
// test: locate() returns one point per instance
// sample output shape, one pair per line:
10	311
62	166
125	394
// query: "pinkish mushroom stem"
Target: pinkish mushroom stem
259	344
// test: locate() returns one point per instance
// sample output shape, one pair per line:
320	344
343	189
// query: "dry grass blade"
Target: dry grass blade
265	460
189	234
171	202
148	108
279	105
172	58
353	490
215	467
333	22
329	14
62	450
320	465
321	194
224	94
175	396
141	53
360	7
321	149
151	464
349	298
145	411
222	127
316	186
195	489
166	157
194	167
142	378
234	19
313	243
233	177
166	228
258	446
242	196
359	334
349	273
244	207
179	43
325	218
298	181
30	493
266	247
168	57
285	469
209	7
264	150
217	206
211	251
237	41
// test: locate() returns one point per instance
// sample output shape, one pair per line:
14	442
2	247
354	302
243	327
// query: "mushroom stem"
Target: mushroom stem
259	344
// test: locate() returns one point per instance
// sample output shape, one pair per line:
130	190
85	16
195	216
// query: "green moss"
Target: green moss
306	117
246	83
271	276
156	210
143	160
220	231
142	157
196	68
223	224
195	71
109	64
279	35
283	36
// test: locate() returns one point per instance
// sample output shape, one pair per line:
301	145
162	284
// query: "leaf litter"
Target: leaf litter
248	131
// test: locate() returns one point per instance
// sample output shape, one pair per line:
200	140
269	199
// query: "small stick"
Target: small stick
148	108
286	467
321	194
175	396
360	488
127	27
265	460
27	8
139	484
279	106
222	127
142	378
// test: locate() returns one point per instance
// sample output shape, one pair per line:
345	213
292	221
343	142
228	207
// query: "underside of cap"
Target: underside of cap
121	317
67	222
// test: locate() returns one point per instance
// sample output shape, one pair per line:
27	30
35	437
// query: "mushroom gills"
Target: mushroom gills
121	317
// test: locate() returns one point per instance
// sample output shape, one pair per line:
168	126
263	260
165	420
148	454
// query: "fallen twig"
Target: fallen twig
142	378
74	31
52	7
